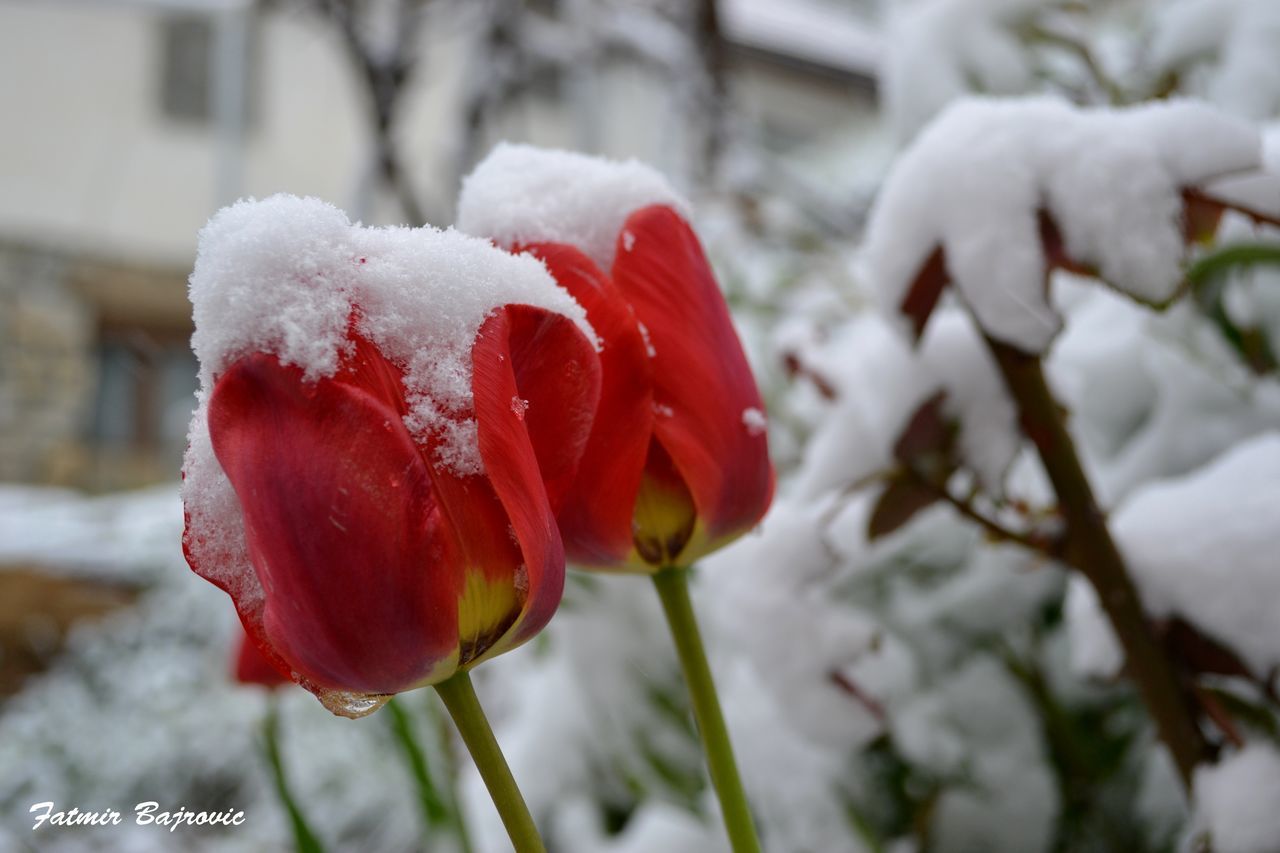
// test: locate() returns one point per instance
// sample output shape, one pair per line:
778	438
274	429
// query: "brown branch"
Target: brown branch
1196	197
1091	549
1221	718
385	77
855	691
1115	94
797	367
710	44
1033	541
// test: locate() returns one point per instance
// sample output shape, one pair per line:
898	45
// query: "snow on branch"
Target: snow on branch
1201	549
941	50
996	193
1235	39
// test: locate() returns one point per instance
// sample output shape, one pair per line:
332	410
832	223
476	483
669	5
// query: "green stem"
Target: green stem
304	839
459	697
673	589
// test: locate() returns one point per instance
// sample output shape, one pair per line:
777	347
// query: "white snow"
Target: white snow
1237	38
954	354
1095	649
865	360
940	50
1153	394
977	722
812	637
755	421
128	536
523	194
1203	547
285	276
973	182
821	33
1237	801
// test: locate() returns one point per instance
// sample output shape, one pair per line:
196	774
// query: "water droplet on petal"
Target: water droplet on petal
352	705
519	407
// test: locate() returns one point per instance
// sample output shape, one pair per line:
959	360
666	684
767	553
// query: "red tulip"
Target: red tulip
381	568
252	667
677	464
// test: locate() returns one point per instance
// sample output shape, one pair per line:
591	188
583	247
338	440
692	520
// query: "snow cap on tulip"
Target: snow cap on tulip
369	463
677	463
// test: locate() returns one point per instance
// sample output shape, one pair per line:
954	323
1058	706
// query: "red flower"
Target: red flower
380	568
677	463
252	666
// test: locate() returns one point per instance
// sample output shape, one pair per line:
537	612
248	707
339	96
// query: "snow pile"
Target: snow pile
1203	547
522	194
1154	395
940	50
1237	37
1238	800
128	537
864	359
975	181
820	647
813	31
977	725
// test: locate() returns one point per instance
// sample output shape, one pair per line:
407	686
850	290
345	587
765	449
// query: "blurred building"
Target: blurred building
128	122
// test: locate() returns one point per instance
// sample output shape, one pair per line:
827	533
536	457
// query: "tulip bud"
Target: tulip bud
386	417
677	462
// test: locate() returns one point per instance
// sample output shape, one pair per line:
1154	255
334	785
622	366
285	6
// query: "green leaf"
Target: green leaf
1208	278
304	838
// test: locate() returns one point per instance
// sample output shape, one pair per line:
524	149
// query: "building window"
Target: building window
146	391
187	63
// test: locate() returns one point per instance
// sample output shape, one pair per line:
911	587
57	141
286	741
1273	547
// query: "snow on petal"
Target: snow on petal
521	194
286	276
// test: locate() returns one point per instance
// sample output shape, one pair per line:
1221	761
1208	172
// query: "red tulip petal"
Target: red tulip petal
253	667
596	514
561	385
490	596
357	567
707	400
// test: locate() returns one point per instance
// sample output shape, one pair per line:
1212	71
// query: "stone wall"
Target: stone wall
46	367
56	312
